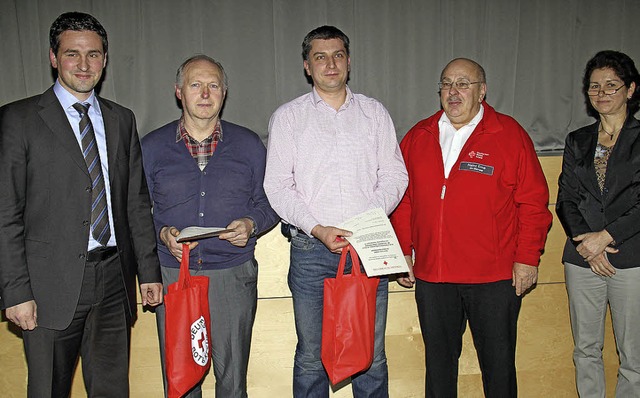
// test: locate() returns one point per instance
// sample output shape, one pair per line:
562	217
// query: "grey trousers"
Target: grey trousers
233	296
589	295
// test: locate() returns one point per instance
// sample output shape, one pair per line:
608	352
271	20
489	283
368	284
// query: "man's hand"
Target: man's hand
331	237
151	294
24	315
407	280
600	265
168	237
593	244
242	229
524	276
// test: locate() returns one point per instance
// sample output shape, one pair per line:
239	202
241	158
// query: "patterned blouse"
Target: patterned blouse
600	160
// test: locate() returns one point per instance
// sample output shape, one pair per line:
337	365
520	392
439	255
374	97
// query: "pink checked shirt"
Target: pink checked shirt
326	166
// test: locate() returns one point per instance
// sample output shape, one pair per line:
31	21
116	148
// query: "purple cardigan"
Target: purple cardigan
230	187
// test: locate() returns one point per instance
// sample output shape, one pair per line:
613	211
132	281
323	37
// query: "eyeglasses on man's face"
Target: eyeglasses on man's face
594	89
459	85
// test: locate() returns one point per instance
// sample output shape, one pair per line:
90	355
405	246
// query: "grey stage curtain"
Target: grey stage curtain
534	52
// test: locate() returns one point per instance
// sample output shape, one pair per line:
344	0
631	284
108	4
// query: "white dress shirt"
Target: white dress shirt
452	140
67	100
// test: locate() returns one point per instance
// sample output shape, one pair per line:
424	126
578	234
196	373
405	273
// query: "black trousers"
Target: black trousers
492	311
99	333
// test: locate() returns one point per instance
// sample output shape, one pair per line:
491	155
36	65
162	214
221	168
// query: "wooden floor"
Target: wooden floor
544	363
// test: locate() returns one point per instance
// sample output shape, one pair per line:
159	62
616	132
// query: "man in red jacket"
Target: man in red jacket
475	216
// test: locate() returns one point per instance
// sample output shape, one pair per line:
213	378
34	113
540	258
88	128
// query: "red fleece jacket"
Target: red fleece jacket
492	211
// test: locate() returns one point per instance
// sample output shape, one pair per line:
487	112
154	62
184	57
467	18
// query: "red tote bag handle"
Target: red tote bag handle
355	262
184	280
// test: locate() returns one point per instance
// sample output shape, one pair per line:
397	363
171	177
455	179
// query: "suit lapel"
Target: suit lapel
588	149
56	120
112	135
620	164
627	137
617	161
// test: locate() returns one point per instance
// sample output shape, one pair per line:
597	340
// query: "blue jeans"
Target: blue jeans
311	263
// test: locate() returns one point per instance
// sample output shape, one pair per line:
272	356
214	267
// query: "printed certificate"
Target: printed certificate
376	243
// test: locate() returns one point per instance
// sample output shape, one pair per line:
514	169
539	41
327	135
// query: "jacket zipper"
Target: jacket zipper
440	232
480	130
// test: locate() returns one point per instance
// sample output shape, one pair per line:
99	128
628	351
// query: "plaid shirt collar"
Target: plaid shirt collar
201	151
182	134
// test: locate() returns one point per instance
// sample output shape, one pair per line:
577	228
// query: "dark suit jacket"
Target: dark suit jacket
581	206
45	207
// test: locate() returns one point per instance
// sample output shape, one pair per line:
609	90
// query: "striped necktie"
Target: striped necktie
99	213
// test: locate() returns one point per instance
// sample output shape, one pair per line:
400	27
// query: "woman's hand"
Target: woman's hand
600	265
593	244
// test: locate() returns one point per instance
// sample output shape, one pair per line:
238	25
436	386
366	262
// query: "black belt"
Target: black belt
101	253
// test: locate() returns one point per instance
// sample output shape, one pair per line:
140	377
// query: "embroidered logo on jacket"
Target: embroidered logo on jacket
477	155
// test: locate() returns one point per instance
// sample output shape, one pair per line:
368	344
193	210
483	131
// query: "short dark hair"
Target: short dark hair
323	33
200	57
623	67
77	21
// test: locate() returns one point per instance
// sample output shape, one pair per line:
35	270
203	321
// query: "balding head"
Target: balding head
463	90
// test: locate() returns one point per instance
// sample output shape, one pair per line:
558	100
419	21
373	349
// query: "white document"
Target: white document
376	243
194	233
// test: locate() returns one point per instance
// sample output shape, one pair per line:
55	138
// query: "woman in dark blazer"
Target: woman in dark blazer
599	207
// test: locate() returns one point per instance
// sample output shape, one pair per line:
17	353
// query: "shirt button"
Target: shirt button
85	223
201	214
81	256
199	261
88	189
202	194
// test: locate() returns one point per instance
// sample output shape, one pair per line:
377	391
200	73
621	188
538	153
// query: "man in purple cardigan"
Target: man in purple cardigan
206	172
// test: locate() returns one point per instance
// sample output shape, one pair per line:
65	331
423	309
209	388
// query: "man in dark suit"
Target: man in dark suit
75	221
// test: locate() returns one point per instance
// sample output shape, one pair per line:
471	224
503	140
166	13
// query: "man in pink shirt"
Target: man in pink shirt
332	154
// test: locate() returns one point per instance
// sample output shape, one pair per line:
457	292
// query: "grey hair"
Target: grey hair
201	57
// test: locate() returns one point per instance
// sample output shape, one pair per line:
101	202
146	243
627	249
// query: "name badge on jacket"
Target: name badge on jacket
477	168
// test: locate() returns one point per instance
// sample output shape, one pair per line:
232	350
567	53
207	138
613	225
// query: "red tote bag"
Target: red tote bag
187	327
348	320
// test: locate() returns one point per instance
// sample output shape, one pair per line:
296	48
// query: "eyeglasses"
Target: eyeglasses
595	90
460	85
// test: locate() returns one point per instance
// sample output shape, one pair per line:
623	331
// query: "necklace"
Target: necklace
610	134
